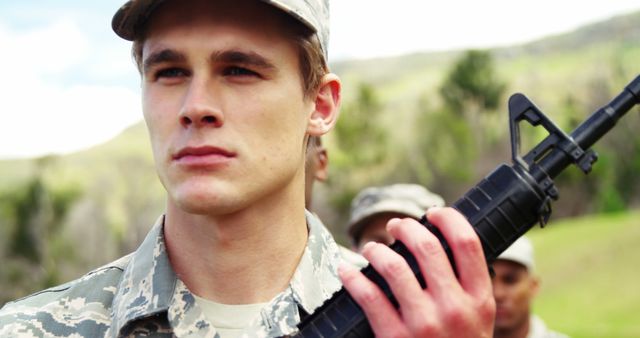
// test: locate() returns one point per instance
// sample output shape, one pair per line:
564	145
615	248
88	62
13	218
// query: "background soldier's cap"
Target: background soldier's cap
129	20
411	200
521	252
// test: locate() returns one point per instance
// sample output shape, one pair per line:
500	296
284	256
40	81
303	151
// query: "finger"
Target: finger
467	251
429	253
385	321
415	304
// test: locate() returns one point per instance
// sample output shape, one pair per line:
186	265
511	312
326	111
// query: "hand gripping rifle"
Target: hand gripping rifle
501	208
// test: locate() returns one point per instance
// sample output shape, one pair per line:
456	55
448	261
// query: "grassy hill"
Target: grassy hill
589	272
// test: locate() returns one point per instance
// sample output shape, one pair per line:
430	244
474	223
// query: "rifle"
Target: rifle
501	207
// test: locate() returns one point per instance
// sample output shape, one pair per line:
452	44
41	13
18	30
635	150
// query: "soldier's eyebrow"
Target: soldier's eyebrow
163	55
243	58
249	59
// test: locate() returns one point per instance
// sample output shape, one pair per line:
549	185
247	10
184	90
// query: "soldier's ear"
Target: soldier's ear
535	285
326	106
322	170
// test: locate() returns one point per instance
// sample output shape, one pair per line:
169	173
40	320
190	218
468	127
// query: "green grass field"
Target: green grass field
590	275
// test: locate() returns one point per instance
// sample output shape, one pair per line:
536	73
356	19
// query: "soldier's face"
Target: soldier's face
376	230
224	104
513	289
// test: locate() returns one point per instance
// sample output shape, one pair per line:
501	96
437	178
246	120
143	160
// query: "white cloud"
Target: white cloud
62	120
367	28
44	110
50	49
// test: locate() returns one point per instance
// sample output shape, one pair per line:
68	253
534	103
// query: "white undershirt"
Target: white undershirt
229	320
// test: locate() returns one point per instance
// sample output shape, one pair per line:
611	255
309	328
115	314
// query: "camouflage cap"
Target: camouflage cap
314	14
521	252
411	200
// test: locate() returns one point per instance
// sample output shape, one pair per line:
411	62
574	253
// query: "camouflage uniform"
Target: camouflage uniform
140	295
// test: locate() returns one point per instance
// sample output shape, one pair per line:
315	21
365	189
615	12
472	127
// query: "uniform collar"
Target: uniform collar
316	277
148	283
149	287
314	280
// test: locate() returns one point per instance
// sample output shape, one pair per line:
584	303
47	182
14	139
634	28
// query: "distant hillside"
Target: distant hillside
621	29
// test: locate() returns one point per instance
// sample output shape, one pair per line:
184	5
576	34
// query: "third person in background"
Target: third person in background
373	207
515	285
315	167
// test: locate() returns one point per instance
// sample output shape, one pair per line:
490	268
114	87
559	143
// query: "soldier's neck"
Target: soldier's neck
241	258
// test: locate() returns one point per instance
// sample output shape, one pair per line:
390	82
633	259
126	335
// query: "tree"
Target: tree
452	136
359	133
472	85
360	157
33	213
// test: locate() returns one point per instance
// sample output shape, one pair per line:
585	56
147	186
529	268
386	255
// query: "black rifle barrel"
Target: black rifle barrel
596	126
501	207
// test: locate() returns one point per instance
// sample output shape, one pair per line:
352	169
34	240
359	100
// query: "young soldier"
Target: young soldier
231	92
515	285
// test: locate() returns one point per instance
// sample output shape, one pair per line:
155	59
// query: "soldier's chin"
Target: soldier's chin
503	322
197	207
204	205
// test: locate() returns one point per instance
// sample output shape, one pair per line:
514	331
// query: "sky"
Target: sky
69	82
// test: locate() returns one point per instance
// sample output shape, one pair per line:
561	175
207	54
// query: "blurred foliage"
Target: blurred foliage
456	131
359	134
447	133
64	215
33	216
471	87
362	143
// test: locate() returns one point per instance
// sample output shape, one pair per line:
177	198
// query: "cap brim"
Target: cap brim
356	225
130	19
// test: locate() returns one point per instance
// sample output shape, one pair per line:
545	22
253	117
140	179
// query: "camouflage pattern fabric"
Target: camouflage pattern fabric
313	13
140	295
130	18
